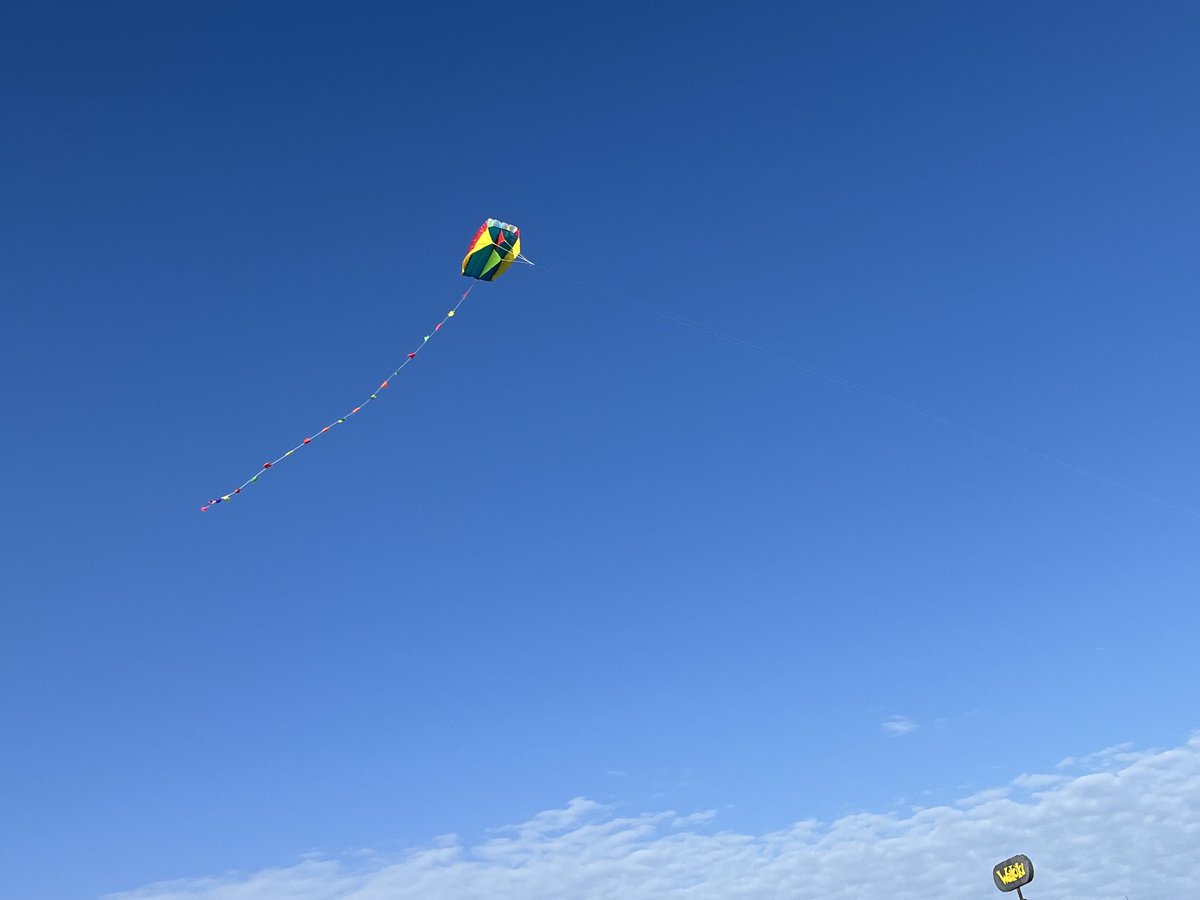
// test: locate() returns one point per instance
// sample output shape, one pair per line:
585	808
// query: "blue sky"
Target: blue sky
581	549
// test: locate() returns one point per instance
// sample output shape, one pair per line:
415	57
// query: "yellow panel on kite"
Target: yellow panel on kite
493	249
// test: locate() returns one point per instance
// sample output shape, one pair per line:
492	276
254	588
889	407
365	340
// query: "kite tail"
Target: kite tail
225	498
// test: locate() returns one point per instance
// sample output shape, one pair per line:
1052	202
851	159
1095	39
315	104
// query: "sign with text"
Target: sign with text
1015	872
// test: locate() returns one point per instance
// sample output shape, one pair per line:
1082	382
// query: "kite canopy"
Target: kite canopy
493	249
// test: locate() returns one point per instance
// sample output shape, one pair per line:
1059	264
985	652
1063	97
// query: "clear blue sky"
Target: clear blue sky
581	549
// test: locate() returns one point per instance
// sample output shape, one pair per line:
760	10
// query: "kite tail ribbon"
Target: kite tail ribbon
342	420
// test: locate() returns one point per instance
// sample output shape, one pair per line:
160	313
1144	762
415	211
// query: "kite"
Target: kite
495	247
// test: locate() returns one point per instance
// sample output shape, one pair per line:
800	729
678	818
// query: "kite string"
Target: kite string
880	395
225	498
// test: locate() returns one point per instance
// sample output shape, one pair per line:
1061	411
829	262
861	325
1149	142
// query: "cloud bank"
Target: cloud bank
1128	824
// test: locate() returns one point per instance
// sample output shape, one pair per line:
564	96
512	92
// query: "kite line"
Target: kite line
225	498
898	402
497	245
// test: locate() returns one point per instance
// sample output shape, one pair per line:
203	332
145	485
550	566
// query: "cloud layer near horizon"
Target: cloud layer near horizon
1128	824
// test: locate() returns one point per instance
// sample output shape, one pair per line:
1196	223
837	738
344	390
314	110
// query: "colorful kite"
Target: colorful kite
495	247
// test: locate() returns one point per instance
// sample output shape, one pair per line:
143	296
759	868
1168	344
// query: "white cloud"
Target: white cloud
1122	828
981	797
898	725
1036	782
1108	758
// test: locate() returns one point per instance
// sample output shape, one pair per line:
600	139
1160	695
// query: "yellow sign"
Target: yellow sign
1014	873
